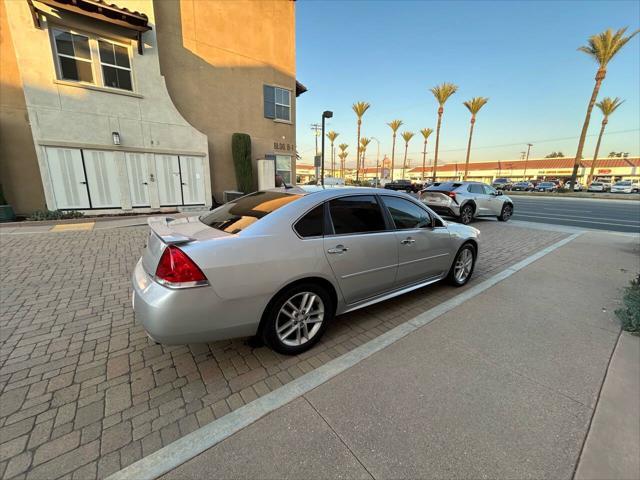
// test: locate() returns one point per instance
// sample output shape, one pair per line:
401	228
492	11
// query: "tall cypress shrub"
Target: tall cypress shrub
241	151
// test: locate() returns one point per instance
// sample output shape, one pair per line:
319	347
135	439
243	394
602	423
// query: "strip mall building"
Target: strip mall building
110	108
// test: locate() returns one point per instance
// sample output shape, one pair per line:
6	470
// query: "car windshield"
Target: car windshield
500	180
596	184
235	216
625	183
444	186
546	184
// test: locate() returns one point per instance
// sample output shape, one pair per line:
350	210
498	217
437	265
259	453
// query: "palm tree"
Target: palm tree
474	105
364	143
331	135
442	93
607	106
343	157
359	108
395	125
406	136
342	147
426	133
602	48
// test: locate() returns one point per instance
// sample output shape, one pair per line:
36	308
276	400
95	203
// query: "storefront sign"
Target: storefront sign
556	172
285	147
604	170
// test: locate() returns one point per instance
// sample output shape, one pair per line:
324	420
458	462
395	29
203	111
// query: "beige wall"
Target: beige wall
216	55
19	174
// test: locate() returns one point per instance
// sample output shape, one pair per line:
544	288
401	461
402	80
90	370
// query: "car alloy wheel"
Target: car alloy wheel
507	211
300	319
466	214
462	267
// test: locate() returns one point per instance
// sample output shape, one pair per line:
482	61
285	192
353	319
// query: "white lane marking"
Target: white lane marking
566	209
578	221
556	227
578	216
196	442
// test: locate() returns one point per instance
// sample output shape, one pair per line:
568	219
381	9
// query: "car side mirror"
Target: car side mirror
498	192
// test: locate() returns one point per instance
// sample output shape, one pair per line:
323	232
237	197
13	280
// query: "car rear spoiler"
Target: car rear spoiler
160	226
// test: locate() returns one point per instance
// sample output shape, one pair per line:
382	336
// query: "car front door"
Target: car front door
423	247
482	200
494	204
361	248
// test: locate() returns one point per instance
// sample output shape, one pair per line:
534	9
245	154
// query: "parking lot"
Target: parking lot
84	393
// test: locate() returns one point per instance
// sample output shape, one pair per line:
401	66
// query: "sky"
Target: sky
522	55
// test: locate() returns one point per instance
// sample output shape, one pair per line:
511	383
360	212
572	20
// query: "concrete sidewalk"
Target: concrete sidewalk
502	386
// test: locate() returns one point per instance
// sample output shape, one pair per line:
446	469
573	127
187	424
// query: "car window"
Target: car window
235	216
488	190
475	188
312	224
356	214
405	213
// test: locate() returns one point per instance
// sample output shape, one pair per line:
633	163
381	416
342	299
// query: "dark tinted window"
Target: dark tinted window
444	186
358	214
475	188
488	190
311	225
406	214
233	217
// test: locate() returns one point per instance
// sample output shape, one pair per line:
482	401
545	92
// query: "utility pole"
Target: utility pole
316	128
524	177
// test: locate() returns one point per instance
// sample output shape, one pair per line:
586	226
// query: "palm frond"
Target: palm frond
395	125
609	105
426	132
443	91
343	146
604	46
364	142
360	108
331	135
407	136
475	104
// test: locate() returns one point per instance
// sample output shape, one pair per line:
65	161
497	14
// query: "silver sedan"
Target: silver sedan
280	264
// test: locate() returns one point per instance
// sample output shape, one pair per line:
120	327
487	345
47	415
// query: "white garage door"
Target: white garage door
168	171
102	176
138	171
192	171
67	178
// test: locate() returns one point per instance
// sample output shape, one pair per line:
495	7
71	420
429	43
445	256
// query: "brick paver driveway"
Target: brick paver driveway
84	393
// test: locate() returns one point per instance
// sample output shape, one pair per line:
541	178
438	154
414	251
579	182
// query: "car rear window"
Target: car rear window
235	216
596	184
444	186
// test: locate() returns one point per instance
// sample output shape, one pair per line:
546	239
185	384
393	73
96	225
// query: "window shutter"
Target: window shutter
269	101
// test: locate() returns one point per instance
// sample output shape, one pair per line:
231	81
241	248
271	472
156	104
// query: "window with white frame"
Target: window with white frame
277	103
89	59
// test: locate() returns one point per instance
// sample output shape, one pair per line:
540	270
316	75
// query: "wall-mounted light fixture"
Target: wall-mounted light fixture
116	138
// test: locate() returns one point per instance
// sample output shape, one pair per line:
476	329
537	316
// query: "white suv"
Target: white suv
625	186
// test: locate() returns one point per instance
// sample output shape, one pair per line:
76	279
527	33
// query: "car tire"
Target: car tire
507	212
462	257
286	323
466	214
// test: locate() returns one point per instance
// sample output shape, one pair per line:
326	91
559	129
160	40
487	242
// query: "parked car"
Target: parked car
467	200
546	187
502	184
596	187
403	186
281	264
577	187
625	186
522	187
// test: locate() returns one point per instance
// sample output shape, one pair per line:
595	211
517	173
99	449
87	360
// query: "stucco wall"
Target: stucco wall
18	161
70	115
216	56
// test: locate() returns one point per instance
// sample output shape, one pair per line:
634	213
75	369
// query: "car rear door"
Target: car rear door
423	249
361	247
483	201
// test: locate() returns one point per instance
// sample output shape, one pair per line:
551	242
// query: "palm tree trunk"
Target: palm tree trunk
595	154
599	78
435	158
424	159
404	164
466	164
393	155
358	152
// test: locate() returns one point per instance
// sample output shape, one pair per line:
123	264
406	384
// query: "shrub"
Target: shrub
562	190
629	315
241	151
40	215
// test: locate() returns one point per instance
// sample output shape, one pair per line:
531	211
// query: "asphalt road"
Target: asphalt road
615	215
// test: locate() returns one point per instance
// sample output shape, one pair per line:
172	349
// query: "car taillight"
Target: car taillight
176	270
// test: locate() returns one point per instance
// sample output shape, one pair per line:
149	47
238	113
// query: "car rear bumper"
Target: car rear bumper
190	315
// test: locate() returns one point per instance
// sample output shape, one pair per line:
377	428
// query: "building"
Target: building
131	107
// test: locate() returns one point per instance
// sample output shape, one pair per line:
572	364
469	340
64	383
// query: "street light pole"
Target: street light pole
377	161
326	114
529	145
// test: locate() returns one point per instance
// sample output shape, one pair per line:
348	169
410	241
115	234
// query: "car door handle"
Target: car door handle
338	249
407	241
